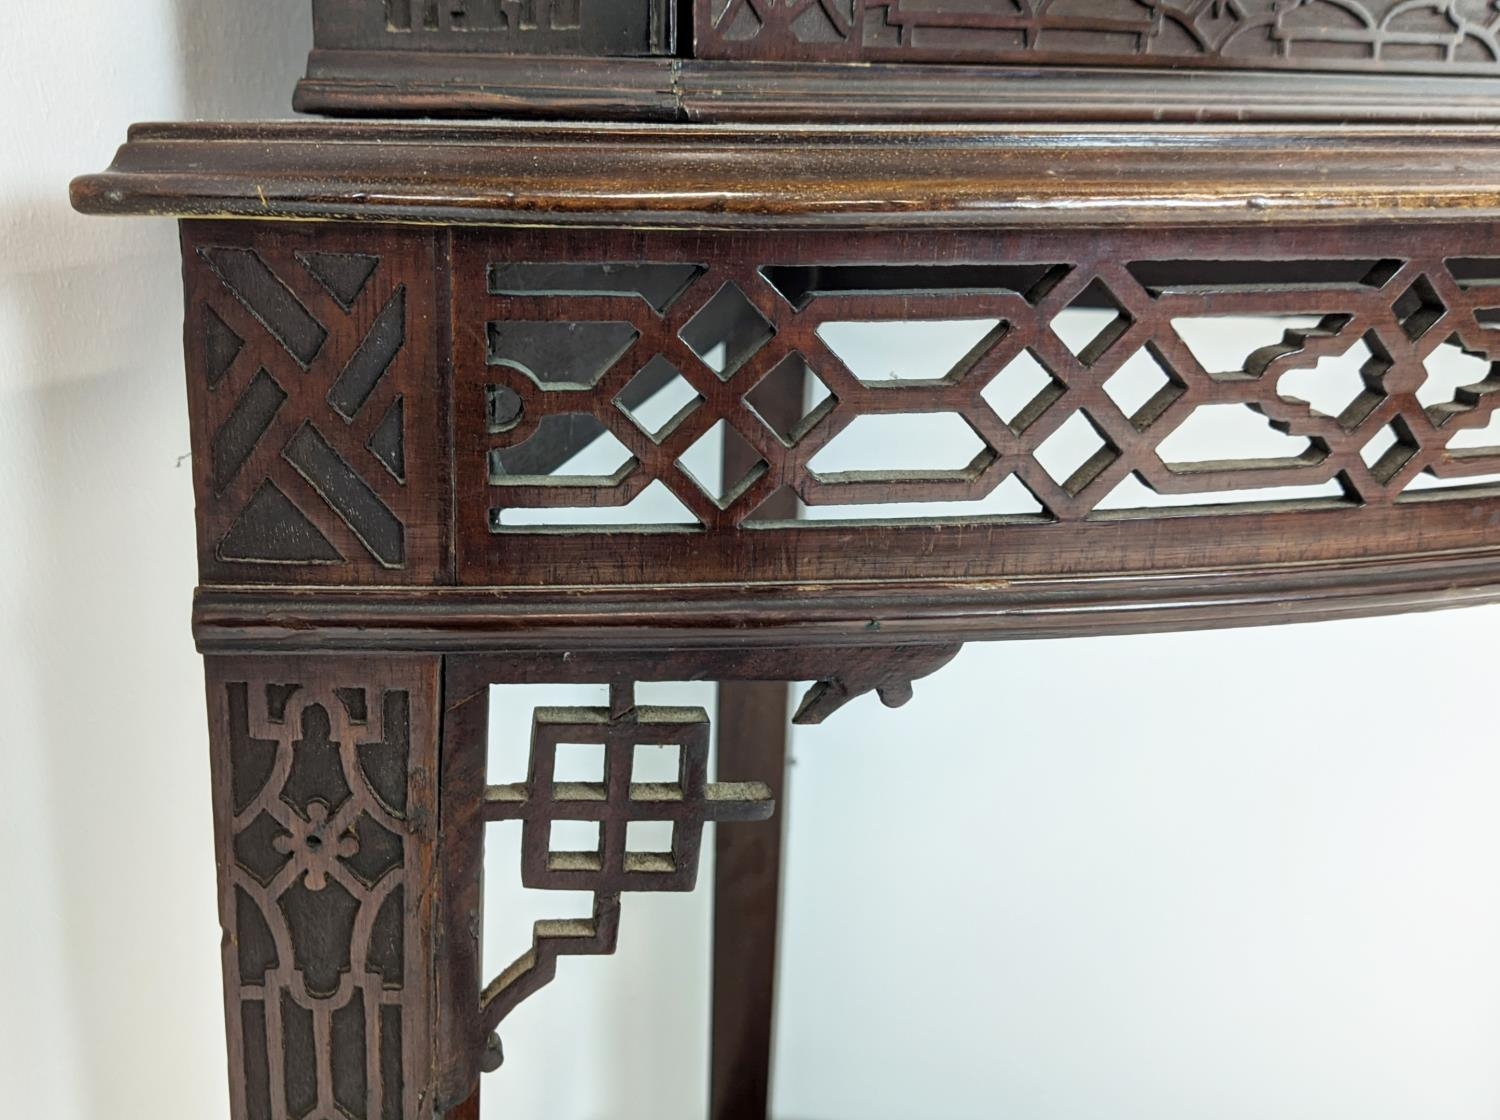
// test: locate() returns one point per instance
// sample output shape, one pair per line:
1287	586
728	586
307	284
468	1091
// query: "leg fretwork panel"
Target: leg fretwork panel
324	780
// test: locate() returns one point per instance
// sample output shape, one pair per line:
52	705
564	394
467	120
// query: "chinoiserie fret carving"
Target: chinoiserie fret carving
1314	34
397	366
309	354
611	868
569	349
610	796
325	788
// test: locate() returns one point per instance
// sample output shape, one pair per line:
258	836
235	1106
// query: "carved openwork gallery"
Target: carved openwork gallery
1326	34
579	403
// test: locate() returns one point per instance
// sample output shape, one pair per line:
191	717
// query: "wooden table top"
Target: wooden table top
763	176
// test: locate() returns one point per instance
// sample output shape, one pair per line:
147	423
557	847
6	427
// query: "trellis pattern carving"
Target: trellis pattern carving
1314	34
312	427
613	803
324	807
1093	434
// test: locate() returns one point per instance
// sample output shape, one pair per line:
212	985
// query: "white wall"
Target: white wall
1242	874
108	935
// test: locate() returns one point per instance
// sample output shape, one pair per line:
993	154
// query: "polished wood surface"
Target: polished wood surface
719	177
414	347
917	60
1369	35
379	84
291	388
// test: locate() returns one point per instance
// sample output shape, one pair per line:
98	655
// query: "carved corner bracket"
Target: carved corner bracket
889	673
611	867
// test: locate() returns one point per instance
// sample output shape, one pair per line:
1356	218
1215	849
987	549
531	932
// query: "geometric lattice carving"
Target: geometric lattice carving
1085	333
590	821
1321	34
614	802
309	350
325	858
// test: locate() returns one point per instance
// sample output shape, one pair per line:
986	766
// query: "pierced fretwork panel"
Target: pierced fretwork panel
324	814
612	863
1015	383
1310	34
316	439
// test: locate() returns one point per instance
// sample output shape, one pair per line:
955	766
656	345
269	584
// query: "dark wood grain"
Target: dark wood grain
922	60
469	1110
599	58
870	613
752	741
325	807
1389	290
430	83
1379	35
841	93
387	84
496	27
752	719
704	178
1374	545
319	435
395	366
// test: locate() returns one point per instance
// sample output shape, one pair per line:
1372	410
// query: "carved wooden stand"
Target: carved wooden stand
378	398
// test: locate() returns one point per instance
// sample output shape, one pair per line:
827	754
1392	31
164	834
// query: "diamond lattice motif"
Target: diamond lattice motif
1075	453
1022	390
1071	382
727	331
790	399
1091	323
1137	382
703	462
658	398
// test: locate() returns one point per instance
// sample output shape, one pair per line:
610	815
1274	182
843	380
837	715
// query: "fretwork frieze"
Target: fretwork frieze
1086	381
1309	34
1064	384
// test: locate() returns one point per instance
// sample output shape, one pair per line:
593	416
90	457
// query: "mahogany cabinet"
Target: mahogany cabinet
402	339
907	60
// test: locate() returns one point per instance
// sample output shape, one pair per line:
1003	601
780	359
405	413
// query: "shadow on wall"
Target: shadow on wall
241	60
118	1010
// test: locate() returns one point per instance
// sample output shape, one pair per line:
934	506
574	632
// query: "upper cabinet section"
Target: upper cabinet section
924	61
609	28
1429	36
